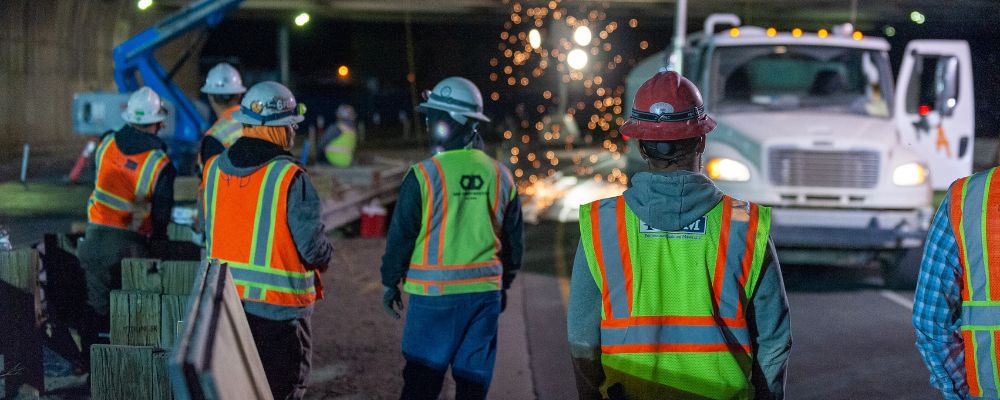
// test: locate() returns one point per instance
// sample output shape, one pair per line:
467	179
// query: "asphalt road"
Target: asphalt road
852	338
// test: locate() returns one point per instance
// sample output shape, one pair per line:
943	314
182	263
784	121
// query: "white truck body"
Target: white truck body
826	141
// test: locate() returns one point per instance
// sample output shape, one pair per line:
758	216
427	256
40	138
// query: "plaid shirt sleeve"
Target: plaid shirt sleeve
937	306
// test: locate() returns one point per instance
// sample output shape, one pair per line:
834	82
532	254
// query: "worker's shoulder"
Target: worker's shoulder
743	209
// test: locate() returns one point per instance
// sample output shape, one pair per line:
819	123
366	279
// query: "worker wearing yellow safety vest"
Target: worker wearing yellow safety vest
956	308
261	217
224	88
130	207
455	243
676	292
341	138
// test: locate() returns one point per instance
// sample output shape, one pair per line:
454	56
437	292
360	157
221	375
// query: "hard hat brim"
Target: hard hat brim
152	119
213	90
679	130
433	105
239	116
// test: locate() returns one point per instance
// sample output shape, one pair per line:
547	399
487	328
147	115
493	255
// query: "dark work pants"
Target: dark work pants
101	251
285	349
457	330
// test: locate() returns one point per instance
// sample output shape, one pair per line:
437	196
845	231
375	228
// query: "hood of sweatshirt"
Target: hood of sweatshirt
669	201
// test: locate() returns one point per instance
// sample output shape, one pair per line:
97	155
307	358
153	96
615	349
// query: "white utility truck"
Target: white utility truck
812	125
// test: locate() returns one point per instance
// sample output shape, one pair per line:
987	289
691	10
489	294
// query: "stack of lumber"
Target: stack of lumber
20	337
145	315
215	357
344	191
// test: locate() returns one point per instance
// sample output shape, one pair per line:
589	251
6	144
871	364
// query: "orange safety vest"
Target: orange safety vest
246	226
975	219
124	187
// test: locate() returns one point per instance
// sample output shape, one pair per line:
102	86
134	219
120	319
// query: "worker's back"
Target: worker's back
674	296
124	185
465	194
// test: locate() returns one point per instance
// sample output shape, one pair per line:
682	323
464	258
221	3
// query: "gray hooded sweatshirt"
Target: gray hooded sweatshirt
668	202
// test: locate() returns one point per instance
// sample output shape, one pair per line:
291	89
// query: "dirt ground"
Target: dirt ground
356	346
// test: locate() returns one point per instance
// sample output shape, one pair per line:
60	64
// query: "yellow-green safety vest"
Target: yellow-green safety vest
464	196
340	151
673	322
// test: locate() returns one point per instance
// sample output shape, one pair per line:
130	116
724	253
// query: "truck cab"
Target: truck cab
812	125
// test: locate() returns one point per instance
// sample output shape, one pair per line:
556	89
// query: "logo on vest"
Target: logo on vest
471	182
692	231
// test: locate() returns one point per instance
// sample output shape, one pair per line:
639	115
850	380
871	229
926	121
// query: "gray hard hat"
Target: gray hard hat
457	96
269	103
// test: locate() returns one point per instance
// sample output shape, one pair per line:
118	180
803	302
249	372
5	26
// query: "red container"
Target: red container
373	218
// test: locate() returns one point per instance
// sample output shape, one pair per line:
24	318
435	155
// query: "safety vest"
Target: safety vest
340	151
975	219
124	187
226	129
246	226
673	320
464	193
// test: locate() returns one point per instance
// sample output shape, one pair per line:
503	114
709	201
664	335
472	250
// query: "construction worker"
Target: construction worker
341	138
955	308
455	243
676	291
130	207
224	88
261	216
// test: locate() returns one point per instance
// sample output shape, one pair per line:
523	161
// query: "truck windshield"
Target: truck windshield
785	78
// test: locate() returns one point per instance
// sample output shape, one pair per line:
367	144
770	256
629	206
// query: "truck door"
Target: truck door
934	108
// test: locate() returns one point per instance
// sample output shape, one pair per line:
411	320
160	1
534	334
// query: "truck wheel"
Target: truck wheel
903	273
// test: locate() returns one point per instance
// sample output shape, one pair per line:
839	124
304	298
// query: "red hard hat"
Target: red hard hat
667	107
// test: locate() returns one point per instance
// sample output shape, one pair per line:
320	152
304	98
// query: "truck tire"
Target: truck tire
903	273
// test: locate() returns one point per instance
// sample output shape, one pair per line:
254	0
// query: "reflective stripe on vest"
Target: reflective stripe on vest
611	236
452	257
262	257
123	182
975	218
226	129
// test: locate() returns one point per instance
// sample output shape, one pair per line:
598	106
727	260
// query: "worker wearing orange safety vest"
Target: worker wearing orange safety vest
676	291
261	217
130	207
224	88
956	308
455	244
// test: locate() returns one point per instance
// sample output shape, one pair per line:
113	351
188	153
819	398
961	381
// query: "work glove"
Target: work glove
392	301
503	300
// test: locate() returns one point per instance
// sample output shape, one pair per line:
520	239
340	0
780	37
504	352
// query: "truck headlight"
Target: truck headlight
725	169
910	174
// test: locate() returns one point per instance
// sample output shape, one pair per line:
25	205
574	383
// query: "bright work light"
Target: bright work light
725	169
582	35
577	59
302	19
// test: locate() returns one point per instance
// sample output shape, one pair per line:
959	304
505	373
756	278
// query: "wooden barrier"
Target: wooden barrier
215	357
20	337
129	372
155	276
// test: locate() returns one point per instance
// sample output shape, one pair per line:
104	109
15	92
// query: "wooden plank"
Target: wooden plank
178	276
129	372
142	274
216	356
135	318
19	319
172	309
180	233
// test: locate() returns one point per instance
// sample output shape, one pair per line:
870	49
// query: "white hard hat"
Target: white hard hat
270	103
457	96
346	112
144	107
223	79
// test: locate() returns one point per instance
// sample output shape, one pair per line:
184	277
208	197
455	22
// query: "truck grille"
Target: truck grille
834	169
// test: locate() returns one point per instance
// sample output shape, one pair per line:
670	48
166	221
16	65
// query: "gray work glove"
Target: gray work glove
392	301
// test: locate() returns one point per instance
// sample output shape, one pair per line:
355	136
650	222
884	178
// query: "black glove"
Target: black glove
503	300
392	301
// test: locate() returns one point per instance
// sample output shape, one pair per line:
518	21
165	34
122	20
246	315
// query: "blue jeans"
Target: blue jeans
458	330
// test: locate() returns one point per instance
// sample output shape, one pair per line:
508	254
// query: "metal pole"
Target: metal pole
24	165
283	53
680	37
854	12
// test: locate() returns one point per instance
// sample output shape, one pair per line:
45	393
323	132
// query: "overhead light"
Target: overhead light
582	35
144	4
343	71
302	19
577	59
535	38
917	17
